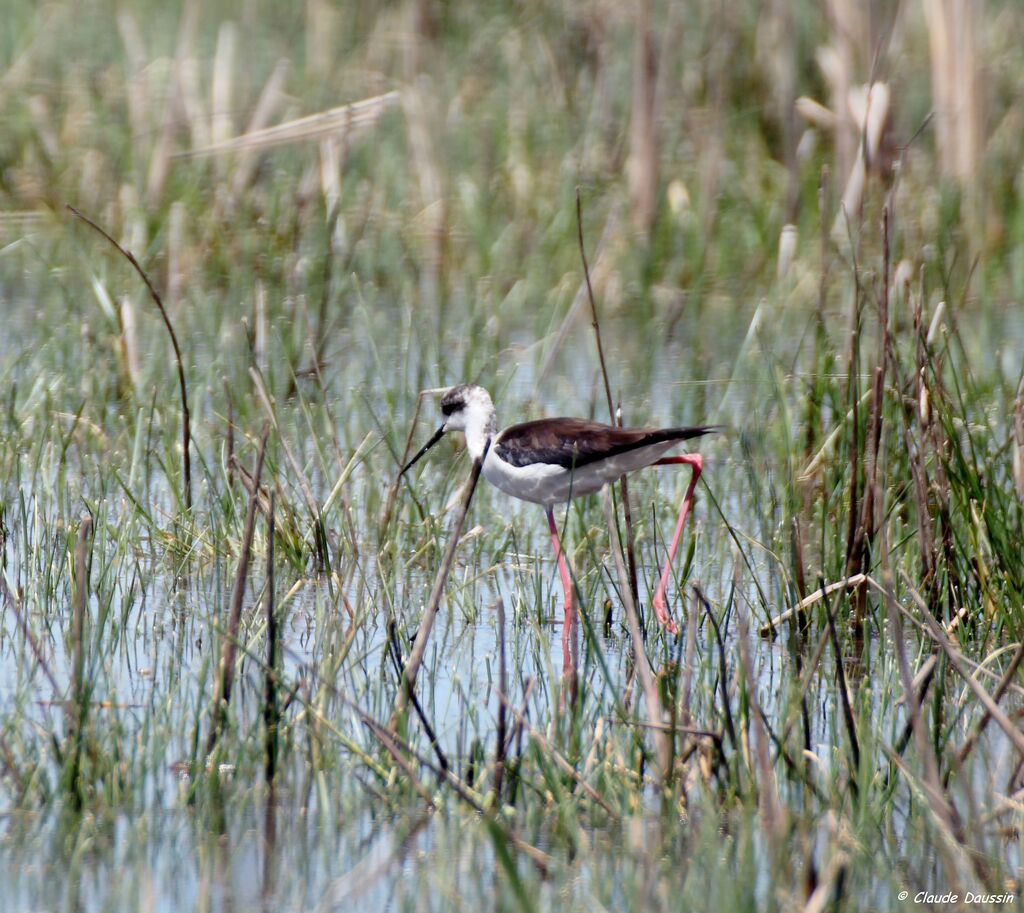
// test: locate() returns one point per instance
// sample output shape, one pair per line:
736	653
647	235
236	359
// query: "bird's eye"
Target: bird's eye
449	408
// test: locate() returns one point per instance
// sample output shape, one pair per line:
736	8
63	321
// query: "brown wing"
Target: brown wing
575	442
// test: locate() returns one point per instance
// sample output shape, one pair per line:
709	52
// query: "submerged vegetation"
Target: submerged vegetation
803	224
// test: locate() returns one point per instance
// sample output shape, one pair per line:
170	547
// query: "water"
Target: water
333	836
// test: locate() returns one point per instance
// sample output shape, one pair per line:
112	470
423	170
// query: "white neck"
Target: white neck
480	424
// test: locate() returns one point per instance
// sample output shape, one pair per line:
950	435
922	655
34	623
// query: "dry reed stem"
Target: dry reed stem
270	700
419	104
136	95
500	735
788	240
594	322
614	416
155	295
803	605
333	154
81	602
358	114
652	698
221	89
642	164
322	29
956	81
130	344
225	678
815	113
176	268
419	645
15	605
870	111
853	559
42	120
772	812
270	100
712	734
838	62
160	156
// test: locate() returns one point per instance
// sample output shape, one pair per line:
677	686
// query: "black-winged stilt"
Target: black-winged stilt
552	460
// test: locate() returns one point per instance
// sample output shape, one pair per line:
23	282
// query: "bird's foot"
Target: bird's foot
661	611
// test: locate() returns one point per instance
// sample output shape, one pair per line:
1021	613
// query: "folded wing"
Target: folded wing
575	442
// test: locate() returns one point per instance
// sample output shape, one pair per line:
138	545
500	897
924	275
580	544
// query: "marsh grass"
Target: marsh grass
870	390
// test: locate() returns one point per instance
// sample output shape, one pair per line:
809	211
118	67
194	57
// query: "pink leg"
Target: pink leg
563	570
660	606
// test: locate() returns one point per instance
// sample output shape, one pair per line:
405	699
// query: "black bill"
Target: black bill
437	436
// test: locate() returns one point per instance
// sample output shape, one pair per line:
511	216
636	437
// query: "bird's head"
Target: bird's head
466	407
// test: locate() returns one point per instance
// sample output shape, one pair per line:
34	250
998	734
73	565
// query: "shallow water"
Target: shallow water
326	851
156	621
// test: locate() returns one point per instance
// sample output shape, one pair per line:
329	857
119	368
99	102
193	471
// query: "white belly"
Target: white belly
547	484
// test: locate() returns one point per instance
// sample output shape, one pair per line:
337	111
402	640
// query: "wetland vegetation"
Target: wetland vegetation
803	223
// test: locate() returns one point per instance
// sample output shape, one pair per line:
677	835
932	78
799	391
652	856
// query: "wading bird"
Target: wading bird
552	460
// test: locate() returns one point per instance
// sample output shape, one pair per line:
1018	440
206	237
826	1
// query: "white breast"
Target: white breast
536	482
548	484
